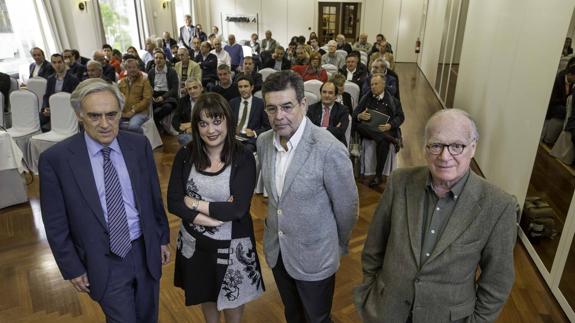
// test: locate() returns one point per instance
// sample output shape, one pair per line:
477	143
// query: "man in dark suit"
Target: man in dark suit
107	69
329	114
61	81
77	69
187	32
342	44
248	112
209	65
391	78
40	67
249	68
354	70
168	41
102	209
383	134
278	61
165	83
440	243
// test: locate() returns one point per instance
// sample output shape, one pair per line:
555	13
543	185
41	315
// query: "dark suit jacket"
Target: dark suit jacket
109	72
273	44
45	70
558	98
480	233
70	83
339	115
209	66
359	75
391	84
257	120
79	71
75	225
346	47
183	113
286	64
173	84
5	88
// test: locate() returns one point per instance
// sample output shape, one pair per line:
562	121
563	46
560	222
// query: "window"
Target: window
120	23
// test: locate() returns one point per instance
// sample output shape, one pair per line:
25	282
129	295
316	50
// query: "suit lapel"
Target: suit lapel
302	152
271	165
81	167
415	193
465	211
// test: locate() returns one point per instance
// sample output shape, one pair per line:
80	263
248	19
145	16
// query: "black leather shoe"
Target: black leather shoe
375	181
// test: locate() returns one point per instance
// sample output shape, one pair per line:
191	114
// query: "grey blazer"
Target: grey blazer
480	233
311	223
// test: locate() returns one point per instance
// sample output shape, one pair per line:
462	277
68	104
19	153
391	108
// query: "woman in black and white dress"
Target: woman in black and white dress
211	187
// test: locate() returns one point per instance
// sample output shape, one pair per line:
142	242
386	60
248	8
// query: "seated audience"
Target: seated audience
222	55
354	70
236	52
278	61
225	87
183	114
290	52
107	69
208	64
174	51
342	96
313	70
108	54
41	67
75	68
556	110
216	33
134	52
331	57
380	41
248	68
330	114
342	43
138	96
94	70
61	81
159	41
80	59
382	134
168	42
165	85
391	78
362	44
248	113
301	56
186	68
382	53
150	46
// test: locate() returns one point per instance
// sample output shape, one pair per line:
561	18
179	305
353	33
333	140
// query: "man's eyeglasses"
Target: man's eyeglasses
95	117
437	148
272	109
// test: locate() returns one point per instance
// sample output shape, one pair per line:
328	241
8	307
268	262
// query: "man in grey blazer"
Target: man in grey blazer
435	228
313	201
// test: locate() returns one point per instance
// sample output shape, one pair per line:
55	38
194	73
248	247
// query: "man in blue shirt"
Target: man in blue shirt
235	50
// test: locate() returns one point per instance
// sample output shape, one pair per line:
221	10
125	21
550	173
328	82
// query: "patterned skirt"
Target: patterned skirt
211	269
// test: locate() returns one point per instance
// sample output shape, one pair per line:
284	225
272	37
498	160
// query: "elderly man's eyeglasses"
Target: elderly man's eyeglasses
437	148
272	109
95	117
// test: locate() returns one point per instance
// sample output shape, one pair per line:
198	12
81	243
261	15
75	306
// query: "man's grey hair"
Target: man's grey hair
224	67
94	85
96	63
332	43
473	131
193	80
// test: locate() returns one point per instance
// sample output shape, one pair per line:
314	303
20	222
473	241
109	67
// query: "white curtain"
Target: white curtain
56	21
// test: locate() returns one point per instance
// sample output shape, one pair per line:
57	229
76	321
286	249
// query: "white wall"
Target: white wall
409	24
508	64
431	44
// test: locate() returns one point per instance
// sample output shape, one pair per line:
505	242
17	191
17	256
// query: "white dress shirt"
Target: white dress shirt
223	57
241	111
284	157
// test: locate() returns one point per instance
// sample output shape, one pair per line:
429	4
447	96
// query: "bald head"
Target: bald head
453	119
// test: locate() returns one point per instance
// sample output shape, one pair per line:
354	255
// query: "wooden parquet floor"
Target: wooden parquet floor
32	289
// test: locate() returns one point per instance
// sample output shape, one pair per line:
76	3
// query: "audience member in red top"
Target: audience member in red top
108	51
312	71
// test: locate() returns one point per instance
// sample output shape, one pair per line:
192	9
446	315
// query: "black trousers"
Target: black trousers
382	145
304	301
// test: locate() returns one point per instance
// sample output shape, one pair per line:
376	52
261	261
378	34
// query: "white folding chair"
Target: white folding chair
313	86
311	98
353	90
151	131
342	53
63	123
265	72
25	119
330	68
248	52
38	86
363	57
368	158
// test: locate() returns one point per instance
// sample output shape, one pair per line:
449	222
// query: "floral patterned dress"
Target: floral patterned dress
214	264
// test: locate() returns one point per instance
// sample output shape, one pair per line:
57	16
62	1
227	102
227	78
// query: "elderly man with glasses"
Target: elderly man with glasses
440	244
